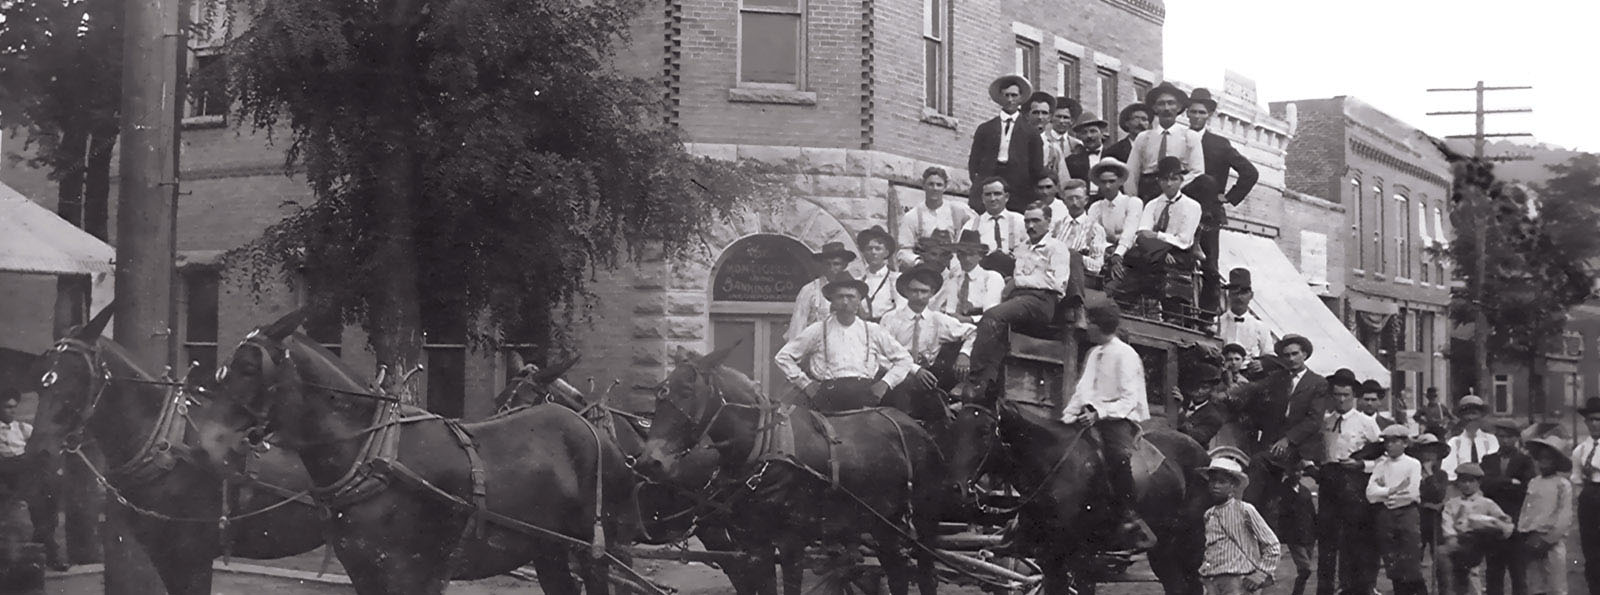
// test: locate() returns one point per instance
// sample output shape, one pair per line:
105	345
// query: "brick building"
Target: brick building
1392	185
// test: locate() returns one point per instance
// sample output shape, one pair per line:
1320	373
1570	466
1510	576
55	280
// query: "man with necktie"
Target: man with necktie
969	289
1347	555
940	345
1167	139
1286	408
1586	479
1058	135
1007	146
999	229
1472	444
1075	228
1162	246
1238	325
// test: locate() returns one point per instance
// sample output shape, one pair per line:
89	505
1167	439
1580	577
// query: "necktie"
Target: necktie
1473	440
963	305
1338	424
916	338
997	244
1166	216
1238	319
1589	466
1164	143
1007	127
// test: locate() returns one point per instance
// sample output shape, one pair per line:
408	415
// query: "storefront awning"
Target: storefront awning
1288	306
35	240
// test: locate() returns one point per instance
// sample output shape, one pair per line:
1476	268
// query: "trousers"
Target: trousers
1501	561
1400	543
1030	307
1347	554
1116	444
844	394
1589	534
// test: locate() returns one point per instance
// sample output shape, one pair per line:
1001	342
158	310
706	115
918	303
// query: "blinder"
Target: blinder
73	438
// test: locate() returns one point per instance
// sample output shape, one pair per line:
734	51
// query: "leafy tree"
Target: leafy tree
477	157
1538	262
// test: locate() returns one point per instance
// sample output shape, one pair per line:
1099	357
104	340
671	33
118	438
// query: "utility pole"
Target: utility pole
1479	221
147	197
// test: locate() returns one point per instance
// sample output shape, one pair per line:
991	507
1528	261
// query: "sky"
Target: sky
1389	52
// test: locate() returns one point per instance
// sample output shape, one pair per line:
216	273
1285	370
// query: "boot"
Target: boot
1300	583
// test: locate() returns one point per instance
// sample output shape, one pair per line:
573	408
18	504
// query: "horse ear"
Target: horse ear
715	358
557	371
516	360
96	326
285	326
684	355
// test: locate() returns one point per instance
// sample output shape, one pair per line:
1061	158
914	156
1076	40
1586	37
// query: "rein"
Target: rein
1049	476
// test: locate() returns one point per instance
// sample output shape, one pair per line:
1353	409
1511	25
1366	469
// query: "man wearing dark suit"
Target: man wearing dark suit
1287	408
1505	481
1008	146
1091	130
1201	416
1220	158
1134	119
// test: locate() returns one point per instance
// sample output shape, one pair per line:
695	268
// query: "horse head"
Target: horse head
262	379
533	385
975	446
75	379
689	405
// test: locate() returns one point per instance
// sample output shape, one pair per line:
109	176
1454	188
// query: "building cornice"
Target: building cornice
1150	10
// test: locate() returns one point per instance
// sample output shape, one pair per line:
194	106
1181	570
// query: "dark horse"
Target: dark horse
420	499
798	477
145	428
1057	470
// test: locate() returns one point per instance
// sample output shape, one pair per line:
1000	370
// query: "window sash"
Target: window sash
1027	60
1068	75
751	45
1106	81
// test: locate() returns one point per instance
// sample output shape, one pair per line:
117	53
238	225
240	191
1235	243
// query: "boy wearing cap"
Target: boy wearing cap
876	246
811	305
1007	146
1472	444
933	214
1506	474
1117	213
1547	517
842	354
928	334
969	290
1396	485
1241	554
1586	477
1471	524
1167	139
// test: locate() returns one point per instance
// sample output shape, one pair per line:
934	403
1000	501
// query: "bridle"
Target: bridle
663	395
73	439
970	488
261	415
999	440
544	395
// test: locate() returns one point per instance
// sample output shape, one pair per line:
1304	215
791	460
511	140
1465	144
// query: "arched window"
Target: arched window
1380	258
1356	223
1402	235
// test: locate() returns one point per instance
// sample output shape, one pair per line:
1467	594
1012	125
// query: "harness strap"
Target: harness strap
832	438
161	449
480	491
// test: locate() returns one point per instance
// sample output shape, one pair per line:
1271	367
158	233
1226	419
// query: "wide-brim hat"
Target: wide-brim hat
1591	406
932	278
1111	163
845	283
1006	81
832	250
1072	105
1344	377
876	232
1039	96
1429	442
1229	461
1202	96
1555	443
1088	119
1371	386
938	240
1128	110
969	242
1288	340
1166	88
1471	402
1169	166
1238	280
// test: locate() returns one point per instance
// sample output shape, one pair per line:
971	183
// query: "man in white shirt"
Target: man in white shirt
14	433
1042	107
842	355
1373	396
969	290
876	246
1164	242
1058	136
1167	139
810	305
1110	395
1586	479
940	345
1117	213
1344	521
934	213
1049	192
1472	444
1396	486
1076	228
1042	268
1238	325
999	229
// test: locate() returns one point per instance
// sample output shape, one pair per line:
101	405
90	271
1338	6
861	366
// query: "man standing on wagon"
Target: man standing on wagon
843	353
1008	146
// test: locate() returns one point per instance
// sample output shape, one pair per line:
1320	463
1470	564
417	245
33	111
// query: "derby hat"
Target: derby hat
876	232
1088	119
1230	462
1202	96
1041	96
1591	406
1238	280
847	282
926	275
1471	402
1344	377
832	250
1371	386
1001	83
1469	471
1128	111
969	242
1072	105
1166	88
1428	442
938	240
1293	339
1111	163
1169	166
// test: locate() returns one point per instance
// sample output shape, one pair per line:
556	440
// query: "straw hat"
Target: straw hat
1229	461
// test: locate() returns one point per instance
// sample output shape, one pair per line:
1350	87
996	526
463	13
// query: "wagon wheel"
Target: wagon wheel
860	578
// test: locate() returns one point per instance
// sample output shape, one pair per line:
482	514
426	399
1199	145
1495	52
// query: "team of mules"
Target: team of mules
418	499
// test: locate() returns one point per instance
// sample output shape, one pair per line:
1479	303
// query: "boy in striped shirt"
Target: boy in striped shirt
1241	550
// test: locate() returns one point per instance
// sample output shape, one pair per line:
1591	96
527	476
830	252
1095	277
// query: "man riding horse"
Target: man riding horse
842	354
940	345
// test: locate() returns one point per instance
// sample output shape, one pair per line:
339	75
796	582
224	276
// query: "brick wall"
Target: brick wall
1316	156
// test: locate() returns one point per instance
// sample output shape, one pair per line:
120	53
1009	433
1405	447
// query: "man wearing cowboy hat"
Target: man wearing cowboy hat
933	251
1060	133
1546	517
1167	139
1345	552
1007	145
1472	444
931	336
1586	478
969	289
1373	395
1242	551
811	305
876	246
1219	158
1091	131
1506	474
1287	407
1164	243
1238	325
1117	213
1133	119
934	213
834	361
1396	485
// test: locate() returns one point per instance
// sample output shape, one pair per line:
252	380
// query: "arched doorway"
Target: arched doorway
753	290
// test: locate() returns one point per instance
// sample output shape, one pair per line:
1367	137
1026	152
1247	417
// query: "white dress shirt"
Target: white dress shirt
1094	155
1396	482
923	333
1586	462
984	290
1013	230
1082	234
1461	450
809	307
833	351
1182	220
1182	142
881	294
1348	432
14	438
1043	265
1008	126
1064	145
1120	217
1250	333
920	222
1112	382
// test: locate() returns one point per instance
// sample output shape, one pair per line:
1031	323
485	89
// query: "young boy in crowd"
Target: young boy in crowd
1547	517
1471	525
1241	550
1396	489
1299	523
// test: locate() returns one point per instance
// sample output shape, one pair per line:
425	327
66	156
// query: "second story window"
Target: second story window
1027	60
936	66
208	86
1402	236
1357	225
1380	257
1067	74
1106	87
771	42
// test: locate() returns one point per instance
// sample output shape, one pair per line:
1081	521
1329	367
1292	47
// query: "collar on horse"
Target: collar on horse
164	445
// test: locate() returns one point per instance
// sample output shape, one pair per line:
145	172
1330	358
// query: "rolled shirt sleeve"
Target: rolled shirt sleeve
795	351
897	361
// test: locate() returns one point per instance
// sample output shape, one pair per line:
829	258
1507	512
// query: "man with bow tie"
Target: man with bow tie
1239	325
1091	131
1007	146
